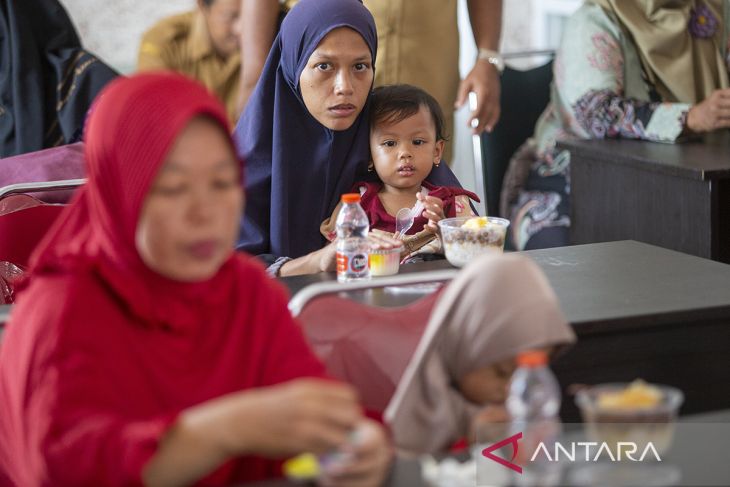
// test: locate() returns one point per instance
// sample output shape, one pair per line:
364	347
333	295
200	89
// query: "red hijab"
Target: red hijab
102	353
132	126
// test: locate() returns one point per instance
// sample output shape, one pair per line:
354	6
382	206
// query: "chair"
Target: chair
56	164
524	96
368	346
24	221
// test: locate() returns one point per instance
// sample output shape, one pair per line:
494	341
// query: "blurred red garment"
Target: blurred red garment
101	353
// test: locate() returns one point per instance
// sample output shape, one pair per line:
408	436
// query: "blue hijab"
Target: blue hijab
296	168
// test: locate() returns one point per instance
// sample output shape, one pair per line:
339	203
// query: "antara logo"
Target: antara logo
603	451
487	452
594	451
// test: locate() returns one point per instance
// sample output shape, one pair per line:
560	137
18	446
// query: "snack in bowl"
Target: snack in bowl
465	238
638	395
384	262
636	412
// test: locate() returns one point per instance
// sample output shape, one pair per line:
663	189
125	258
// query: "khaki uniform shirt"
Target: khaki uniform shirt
181	43
418	44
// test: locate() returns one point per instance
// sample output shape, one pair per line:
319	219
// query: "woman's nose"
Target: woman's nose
201	207
343	83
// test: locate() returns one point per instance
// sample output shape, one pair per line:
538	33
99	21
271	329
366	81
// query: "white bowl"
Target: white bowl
462	244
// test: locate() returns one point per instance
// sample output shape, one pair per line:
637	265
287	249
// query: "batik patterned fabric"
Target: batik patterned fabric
599	91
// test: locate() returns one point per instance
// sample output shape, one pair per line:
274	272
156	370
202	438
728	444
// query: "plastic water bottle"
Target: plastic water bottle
352	240
533	403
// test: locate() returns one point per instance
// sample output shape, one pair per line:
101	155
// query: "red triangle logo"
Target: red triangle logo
487	452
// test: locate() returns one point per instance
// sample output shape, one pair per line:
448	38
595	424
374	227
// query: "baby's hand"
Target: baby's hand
433	209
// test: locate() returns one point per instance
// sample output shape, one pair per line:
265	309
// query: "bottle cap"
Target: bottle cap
532	358
351	198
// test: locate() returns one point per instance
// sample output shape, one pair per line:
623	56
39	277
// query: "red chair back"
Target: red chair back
24	221
366	346
22	229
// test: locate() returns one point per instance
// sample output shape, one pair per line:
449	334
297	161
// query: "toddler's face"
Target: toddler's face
405	152
488	385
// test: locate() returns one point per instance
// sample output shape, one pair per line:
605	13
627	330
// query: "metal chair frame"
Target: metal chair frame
22	188
300	300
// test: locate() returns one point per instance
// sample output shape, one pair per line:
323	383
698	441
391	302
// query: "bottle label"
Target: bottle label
352	265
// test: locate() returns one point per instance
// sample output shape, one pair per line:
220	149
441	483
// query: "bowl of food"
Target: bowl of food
635	412
384	262
466	238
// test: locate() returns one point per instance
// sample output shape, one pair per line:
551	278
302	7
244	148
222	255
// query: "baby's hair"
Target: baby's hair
395	103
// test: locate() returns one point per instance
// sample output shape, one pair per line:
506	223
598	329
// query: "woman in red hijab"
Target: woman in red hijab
142	350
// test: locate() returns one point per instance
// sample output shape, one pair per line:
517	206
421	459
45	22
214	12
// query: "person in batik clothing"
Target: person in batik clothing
641	69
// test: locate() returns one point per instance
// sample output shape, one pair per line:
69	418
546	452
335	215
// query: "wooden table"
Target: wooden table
676	196
643	311
638	311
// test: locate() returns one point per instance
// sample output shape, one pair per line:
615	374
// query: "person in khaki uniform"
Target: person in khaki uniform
418	44
203	44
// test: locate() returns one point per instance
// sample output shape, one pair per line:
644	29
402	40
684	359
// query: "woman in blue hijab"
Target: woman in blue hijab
305	131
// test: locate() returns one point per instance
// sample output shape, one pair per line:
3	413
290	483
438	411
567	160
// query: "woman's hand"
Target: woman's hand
304	415
322	260
711	114
327	257
383	241
433	209
369	464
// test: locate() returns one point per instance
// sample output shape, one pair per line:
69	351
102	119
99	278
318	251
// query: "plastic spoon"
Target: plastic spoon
403	222
405	217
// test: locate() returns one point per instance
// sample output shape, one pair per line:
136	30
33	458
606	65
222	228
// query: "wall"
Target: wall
112	29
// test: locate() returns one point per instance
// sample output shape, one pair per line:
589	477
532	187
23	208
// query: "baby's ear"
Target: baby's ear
371	166
438	151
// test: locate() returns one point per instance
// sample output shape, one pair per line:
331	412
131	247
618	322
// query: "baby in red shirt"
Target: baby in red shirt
406	142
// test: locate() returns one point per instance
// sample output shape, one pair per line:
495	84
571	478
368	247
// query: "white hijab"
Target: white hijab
497	307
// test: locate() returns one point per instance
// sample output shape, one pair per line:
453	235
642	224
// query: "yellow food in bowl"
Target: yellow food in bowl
384	262
638	395
476	223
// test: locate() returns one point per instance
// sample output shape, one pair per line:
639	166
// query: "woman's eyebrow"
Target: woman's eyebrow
329	56
321	55
226	164
171	166
220	165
